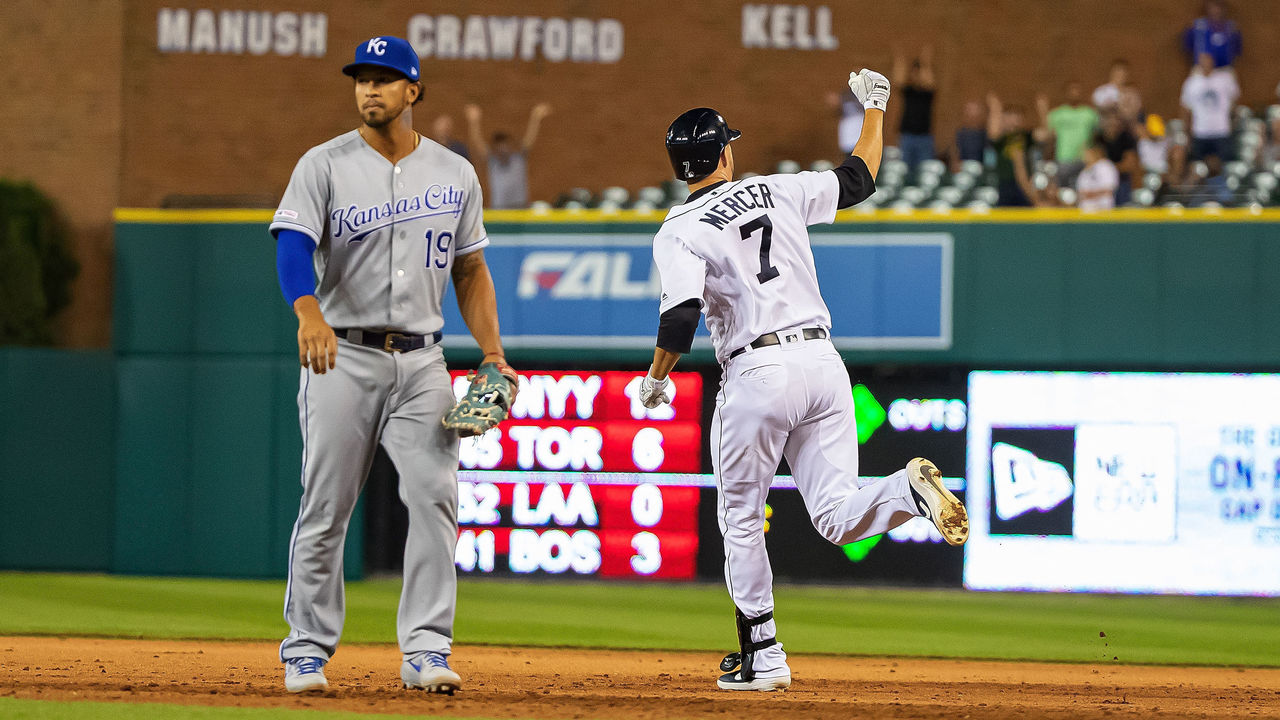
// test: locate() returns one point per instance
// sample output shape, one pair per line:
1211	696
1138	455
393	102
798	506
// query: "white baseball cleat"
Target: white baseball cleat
305	674
734	681
429	671
936	502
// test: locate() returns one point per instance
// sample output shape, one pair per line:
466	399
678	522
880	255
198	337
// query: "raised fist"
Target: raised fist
871	88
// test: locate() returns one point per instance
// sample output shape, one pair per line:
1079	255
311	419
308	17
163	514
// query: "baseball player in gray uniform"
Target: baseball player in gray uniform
739	252
384	218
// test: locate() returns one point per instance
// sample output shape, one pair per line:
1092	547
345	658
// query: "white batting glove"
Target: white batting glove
653	392
871	88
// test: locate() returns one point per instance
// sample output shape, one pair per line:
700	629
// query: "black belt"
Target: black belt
388	341
810	333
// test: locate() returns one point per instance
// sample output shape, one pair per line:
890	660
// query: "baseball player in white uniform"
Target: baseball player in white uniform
385	218
739	252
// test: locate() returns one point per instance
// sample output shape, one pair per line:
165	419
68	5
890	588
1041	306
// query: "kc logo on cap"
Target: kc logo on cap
385	51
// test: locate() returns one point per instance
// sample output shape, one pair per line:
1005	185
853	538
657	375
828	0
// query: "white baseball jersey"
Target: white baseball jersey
743	250
386	235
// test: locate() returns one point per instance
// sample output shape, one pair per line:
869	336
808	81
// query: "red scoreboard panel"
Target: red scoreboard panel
617	527
578	480
591	422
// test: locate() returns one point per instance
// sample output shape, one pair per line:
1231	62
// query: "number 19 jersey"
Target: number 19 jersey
742	249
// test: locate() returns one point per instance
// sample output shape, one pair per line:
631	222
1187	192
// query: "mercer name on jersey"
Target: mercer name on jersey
730	207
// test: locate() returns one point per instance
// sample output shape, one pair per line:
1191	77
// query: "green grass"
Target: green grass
13	709
861	621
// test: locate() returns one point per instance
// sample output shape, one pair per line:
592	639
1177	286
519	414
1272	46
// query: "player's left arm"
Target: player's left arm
856	176
478	303
472	281
872	90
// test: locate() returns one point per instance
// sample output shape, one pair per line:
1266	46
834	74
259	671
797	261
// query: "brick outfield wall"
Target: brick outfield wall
130	125
215	124
61	128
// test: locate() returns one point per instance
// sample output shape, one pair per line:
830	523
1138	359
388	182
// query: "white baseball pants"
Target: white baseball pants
791	400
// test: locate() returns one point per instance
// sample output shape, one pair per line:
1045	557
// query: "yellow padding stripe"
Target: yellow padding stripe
999	215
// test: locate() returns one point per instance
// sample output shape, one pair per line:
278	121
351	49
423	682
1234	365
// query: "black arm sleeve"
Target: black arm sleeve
856	183
677	325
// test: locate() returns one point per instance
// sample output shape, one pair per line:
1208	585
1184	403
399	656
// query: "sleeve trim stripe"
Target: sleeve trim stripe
467	249
286	225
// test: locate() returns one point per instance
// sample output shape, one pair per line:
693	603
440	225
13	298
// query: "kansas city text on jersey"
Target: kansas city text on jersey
435	200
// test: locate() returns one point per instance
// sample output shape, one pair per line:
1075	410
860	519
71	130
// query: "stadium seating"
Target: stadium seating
1249	178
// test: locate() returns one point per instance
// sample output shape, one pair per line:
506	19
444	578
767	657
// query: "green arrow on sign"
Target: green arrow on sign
868	412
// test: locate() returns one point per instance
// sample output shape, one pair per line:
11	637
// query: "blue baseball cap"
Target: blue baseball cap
388	52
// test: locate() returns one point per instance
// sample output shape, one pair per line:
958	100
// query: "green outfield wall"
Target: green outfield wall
1044	292
57	441
178	452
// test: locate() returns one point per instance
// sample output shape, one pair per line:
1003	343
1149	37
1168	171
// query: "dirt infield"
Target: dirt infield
504	682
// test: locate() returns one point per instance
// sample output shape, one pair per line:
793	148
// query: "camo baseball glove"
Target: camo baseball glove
487	402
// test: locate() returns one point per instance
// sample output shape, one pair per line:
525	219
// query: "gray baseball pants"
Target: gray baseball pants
398	400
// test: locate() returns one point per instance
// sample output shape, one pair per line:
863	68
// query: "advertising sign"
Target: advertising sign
601	291
1128	482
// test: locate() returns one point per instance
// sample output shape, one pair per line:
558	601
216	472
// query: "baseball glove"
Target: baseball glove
487	402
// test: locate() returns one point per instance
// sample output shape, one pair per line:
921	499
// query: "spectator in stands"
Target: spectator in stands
1270	154
849	116
1214	188
442	132
1012	144
915	130
506	161
1117	90
1176	179
1071	125
1153	145
1208	95
1213	34
1098	181
971	136
1122	150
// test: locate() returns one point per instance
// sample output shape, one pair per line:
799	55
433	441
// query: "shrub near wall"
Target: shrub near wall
36	267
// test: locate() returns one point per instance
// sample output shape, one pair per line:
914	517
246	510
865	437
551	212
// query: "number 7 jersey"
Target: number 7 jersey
742	249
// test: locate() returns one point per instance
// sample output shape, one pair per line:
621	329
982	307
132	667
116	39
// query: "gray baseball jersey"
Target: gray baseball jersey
386	238
369	217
